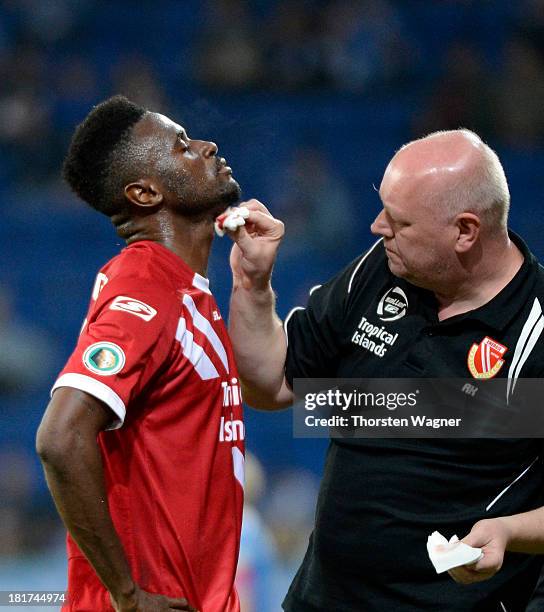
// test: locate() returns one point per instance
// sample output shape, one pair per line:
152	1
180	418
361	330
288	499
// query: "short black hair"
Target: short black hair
95	153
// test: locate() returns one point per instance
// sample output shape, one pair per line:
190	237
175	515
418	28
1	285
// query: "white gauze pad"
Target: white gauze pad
446	555
231	220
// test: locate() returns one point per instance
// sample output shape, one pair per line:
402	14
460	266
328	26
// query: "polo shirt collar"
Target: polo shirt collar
501	309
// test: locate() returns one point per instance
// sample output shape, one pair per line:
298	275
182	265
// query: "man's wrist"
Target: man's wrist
509	524
262	295
126	595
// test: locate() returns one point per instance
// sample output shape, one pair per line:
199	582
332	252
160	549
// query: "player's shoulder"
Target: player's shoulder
139	262
138	274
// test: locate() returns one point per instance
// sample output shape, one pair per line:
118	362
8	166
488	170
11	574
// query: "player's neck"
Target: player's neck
188	239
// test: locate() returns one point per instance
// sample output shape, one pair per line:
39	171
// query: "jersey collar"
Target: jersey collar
501	309
197	280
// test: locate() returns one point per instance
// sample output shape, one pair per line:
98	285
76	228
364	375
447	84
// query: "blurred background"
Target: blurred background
308	100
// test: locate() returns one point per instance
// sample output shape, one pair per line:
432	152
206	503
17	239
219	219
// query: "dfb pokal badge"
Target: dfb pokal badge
485	359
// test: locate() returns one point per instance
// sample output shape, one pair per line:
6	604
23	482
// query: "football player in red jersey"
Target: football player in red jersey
143	440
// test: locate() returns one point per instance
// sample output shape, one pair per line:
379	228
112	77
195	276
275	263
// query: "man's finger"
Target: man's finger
264	224
242	239
254	204
464	575
259	223
467	574
487	563
475	539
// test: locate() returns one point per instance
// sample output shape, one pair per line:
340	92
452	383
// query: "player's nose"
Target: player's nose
209	149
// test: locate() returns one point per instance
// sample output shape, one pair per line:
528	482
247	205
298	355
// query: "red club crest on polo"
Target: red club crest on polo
484	360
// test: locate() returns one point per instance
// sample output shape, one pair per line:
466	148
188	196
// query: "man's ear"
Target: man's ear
144	193
468	225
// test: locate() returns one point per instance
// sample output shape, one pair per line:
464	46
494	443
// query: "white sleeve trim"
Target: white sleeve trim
293	310
96	389
287	318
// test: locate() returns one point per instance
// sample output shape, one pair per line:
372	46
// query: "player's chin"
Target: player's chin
228	196
230	193
228	179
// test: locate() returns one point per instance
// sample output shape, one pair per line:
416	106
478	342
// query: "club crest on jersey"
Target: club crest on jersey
393	305
104	358
485	359
133	306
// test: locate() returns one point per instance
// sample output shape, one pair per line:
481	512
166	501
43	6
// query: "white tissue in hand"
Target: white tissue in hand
446	555
232	221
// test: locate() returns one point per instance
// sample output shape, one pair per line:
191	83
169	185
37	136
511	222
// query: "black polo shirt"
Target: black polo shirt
381	498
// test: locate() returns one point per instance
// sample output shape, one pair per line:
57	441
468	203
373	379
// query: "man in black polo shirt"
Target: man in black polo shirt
445	276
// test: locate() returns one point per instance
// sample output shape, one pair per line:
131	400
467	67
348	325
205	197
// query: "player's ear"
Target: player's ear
143	192
468	225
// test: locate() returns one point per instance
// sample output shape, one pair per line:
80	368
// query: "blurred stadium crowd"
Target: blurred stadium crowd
307	99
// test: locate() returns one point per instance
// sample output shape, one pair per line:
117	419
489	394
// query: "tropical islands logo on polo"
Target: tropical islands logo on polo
484	360
104	358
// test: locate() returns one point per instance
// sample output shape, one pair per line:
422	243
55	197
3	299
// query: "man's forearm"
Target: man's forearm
260	346
75	478
526	532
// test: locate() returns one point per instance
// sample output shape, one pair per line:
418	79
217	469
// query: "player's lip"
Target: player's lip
222	167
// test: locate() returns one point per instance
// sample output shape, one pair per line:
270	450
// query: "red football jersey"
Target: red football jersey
155	349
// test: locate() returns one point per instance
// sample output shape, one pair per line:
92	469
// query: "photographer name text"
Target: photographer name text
356	420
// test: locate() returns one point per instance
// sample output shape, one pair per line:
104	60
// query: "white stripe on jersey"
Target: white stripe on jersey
361	263
314	288
238	463
201	283
491	504
526	342
203	325
96	389
195	353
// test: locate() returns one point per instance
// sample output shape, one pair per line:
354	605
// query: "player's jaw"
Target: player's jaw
228	188
207	198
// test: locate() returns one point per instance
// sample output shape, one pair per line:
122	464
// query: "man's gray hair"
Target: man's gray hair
484	191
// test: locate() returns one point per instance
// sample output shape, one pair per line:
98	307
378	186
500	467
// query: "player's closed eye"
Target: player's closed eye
182	140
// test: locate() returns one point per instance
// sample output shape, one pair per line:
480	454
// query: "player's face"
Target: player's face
195	180
417	239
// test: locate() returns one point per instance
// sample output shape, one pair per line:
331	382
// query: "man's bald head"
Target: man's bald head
452	172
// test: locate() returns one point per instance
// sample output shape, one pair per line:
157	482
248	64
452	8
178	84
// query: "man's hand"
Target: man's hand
256	244
142	601
492	536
